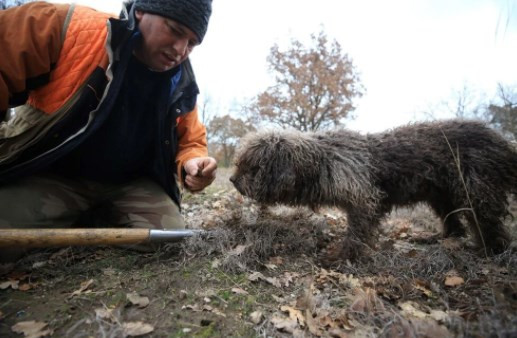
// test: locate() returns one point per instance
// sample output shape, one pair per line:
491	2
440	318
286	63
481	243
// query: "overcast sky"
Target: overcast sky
410	54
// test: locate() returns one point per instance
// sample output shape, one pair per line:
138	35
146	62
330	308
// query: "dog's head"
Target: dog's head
265	168
277	167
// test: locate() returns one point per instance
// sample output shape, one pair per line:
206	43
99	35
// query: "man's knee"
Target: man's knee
144	204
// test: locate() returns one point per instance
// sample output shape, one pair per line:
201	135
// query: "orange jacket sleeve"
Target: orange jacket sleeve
30	41
192	140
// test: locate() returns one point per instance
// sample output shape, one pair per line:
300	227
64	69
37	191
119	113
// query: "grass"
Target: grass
399	288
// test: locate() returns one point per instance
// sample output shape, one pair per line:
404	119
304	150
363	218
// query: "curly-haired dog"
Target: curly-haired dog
453	166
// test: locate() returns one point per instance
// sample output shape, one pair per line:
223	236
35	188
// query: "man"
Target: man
108	120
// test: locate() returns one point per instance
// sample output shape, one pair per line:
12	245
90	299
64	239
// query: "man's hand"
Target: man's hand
200	173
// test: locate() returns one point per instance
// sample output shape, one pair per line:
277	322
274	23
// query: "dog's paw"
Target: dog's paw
341	252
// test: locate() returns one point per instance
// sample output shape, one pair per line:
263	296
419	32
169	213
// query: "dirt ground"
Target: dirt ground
259	275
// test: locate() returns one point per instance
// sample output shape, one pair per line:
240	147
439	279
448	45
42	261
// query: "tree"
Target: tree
464	103
225	133
314	86
503	115
206	113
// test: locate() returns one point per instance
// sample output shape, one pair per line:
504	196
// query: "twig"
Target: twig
458	166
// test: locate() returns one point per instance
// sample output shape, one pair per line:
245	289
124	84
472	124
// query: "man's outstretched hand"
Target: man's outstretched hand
200	173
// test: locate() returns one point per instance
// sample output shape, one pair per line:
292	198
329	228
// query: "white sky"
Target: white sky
410	54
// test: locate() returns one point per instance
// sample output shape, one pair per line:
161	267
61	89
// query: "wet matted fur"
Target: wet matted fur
456	167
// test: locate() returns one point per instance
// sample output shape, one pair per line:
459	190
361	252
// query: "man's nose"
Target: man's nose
181	47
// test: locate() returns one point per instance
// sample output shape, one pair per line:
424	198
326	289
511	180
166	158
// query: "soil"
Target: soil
259	273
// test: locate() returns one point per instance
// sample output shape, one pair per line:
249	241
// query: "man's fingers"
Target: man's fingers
195	183
210	164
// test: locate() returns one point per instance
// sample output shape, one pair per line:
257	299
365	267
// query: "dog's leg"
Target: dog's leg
490	207
489	232
444	208
362	233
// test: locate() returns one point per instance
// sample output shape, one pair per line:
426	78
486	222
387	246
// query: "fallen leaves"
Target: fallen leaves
83	288
134	329
17	281
294	314
256	276
452	279
205	307
240	291
366	301
130	329
256	317
13	284
282	323
135	299
32	329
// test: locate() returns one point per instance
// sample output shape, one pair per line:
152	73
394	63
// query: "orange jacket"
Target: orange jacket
55	57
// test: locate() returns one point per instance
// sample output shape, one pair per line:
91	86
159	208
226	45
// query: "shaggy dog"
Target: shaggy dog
456	167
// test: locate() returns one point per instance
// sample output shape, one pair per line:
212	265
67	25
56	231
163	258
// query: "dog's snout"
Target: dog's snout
232	178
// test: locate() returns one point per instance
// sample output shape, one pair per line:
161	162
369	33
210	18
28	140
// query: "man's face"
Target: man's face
165	43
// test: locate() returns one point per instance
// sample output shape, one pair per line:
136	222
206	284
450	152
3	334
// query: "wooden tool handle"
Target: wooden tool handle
39	238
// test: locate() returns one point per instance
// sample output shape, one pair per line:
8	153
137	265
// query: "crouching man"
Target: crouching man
106	123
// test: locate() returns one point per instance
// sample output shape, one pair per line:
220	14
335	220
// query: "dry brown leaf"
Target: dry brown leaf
194	307
32	329
439	316
216	263
137	300
344	322
255	276
422	285
84	286
289	278
240	291
366	301
238	250
134	329
256	317
271	266
13	284
294	314
205	307
218	312
409	309
25	286
284	324
277	260
349	281
104	313
453	281
273	281
312	324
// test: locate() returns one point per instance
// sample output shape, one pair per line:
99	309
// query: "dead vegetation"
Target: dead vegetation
258	274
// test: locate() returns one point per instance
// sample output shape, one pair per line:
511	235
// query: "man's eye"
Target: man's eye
174	30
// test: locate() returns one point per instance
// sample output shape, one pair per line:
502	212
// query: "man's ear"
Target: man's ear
139	14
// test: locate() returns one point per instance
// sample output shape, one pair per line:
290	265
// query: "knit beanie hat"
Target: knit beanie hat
194	14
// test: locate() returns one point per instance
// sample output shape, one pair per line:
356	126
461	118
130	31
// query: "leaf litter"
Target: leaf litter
261	274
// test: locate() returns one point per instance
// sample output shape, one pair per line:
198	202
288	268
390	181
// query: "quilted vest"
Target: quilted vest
83	50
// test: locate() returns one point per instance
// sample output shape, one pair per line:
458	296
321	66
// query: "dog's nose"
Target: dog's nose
232	179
